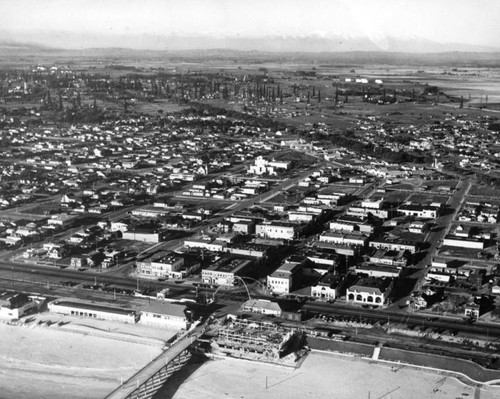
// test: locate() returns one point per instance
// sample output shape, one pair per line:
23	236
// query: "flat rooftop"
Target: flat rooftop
93	306
229	266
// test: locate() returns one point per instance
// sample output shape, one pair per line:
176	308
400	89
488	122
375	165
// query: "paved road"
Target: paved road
443	225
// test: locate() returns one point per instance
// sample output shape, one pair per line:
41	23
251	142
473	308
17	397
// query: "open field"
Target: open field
321	375
49	363
484	191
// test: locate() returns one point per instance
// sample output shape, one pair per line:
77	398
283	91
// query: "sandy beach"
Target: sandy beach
322	375
49	362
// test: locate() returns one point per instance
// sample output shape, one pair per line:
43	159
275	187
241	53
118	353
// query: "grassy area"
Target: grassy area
428	198
441	183
394	197
484	191
460	252
130	245
286	197
154	108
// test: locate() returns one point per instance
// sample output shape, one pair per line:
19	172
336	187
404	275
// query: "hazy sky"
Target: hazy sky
462	21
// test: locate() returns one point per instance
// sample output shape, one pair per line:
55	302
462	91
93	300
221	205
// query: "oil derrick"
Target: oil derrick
61	103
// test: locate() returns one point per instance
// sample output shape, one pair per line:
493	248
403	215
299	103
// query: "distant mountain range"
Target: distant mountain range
310	43
327	50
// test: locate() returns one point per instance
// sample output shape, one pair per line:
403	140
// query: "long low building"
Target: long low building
394	245
463	242
75	307
145	235
354	238
277	230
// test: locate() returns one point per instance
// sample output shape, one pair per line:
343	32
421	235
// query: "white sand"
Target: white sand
47	362
322	375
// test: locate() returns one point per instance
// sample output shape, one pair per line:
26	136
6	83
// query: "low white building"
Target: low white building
205	243
262	306
463	242
276	230
165	315
419	211
80	308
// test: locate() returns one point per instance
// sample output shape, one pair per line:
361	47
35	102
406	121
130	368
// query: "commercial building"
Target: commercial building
76	307
262	306
463	242
355	238
281	281
276	230
165	315
224	271
146	235
378	270
205	243
328	288
419	211
150	212
167	265
370	291
394	245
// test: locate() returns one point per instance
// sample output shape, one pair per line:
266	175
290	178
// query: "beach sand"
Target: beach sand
48	362
322	375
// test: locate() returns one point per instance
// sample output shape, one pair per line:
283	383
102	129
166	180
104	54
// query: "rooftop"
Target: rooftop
93	306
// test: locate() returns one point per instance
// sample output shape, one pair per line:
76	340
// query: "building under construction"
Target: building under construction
258	340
